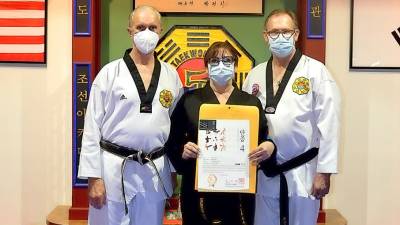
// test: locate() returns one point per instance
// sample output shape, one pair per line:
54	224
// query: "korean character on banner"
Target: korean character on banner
316	11
81	112
83	96
79	132
82	79
82	10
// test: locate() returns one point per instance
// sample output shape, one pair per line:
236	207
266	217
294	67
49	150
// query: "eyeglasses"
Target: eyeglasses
226	60
274	34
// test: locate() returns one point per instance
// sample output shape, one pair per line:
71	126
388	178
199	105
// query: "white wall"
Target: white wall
35	132
366	190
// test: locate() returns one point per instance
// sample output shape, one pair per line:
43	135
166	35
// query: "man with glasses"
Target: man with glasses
126	126
301	102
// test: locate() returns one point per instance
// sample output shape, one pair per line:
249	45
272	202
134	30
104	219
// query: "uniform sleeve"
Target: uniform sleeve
178	95
327	116
177	139
90	161
263	125
178	87
263	136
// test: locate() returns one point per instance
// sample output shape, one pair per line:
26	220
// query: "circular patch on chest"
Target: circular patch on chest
301	86
166	98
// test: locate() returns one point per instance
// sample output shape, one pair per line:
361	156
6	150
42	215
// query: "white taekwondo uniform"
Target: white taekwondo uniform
303	115
114	114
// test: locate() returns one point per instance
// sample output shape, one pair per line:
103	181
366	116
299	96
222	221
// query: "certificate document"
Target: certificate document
225	142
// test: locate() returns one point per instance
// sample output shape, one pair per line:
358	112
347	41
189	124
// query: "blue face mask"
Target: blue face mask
281	47
221	74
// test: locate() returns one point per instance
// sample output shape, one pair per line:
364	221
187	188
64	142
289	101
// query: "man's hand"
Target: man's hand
190	151
321	185
262	152
97	192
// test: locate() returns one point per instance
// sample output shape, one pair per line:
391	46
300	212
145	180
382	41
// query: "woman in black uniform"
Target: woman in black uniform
212	208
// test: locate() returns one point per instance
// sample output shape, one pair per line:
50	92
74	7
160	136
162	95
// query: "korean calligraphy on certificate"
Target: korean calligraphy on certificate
223	164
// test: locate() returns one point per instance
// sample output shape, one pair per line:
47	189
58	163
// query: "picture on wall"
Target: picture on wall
23	31
375	34
206	6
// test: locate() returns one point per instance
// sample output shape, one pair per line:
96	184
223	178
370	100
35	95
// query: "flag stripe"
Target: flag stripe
21	31
22	5
22	57
21	22
21	39
25	1
21	48
22	14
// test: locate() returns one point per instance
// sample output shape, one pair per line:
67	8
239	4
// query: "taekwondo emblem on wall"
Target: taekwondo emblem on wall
184	47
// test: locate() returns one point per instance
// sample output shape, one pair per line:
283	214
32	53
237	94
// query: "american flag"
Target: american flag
22	31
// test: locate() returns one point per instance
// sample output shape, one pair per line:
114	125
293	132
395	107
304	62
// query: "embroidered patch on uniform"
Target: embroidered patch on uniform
255	89
301	86
166	98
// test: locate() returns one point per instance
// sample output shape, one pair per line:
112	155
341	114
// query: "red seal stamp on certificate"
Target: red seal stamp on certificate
212	179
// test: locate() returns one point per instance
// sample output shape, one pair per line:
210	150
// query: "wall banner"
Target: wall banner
81	88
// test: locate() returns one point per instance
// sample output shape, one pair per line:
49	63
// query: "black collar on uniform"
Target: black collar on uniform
209	96
272	101
146	99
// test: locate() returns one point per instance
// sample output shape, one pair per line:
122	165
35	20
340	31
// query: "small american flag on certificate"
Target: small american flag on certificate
22	31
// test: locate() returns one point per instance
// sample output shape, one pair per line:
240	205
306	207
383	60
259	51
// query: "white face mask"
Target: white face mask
221	74
145	41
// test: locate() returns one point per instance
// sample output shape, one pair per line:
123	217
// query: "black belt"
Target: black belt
132	154
272	169
135	155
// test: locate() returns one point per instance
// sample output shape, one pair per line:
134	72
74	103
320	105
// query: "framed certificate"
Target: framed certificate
375	35
248	7
227	134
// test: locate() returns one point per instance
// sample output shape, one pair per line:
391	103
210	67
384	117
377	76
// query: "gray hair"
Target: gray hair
290	13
